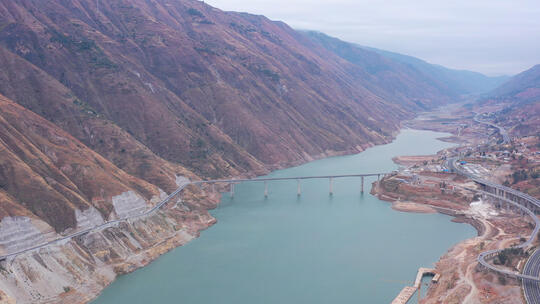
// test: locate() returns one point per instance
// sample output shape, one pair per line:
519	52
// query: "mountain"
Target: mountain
416	78
48	174
106	106
160	89
219	93
520	101
461	82
523	86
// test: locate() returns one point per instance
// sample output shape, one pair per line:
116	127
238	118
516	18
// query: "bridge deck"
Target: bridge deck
156	207
284	178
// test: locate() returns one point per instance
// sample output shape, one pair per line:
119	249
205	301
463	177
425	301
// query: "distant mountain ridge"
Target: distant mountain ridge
162	89
525	86
520	97
104	110
451	82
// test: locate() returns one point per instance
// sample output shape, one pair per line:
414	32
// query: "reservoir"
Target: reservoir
315	248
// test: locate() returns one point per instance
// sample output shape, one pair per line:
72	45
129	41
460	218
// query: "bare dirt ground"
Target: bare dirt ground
417	189
462	280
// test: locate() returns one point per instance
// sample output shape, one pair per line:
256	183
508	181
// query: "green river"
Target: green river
316	248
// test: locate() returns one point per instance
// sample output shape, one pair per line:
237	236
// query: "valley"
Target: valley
112	112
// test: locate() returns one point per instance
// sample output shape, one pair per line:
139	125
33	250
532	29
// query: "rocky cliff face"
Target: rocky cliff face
75	271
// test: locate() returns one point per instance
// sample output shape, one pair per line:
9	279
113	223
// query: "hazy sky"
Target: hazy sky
490	36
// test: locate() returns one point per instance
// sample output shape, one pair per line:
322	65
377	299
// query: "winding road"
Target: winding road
502	131
181	187
98	227
531	272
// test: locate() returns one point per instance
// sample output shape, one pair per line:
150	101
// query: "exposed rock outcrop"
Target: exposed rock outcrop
128	204
75	271
20	232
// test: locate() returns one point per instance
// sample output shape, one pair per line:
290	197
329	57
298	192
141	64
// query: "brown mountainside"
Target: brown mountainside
196	85
50	173
157	89
520	98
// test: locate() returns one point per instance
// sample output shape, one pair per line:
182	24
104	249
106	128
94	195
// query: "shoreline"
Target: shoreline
463	280
433	211
150	254
217	196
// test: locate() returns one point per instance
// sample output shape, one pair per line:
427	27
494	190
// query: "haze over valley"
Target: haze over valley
113	112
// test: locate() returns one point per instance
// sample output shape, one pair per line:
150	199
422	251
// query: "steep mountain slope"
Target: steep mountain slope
47	173
197	86
106	105
461	82
41	93
456	82
407	75
520	98
389	78
523	86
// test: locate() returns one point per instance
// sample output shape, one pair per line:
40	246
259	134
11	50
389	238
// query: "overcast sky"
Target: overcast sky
494	37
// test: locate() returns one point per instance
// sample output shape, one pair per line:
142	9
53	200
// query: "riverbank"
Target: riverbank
423	184
292	233
461	280
76	271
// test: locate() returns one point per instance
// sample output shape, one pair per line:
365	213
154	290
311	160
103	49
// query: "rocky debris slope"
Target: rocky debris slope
77	270
50	175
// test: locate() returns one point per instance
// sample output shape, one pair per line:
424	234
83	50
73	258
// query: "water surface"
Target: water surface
316	248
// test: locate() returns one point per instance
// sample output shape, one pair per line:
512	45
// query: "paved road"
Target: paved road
482	258
166	200
98	227
502	131
283	178
531	272
531	289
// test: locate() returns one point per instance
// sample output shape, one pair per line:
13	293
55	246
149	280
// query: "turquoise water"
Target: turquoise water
316	248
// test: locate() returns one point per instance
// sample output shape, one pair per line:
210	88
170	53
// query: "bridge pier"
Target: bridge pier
298	189
331	180
265	188
362	190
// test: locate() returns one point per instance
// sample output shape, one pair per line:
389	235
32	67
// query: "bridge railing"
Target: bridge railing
110	223
482	257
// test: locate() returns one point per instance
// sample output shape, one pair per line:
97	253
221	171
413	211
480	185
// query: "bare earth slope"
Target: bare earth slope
51	174
198	86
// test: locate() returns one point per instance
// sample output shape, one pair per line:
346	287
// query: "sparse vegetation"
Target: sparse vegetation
195	12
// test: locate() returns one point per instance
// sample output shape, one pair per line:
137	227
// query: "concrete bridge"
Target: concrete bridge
182	186
298	180
526	204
